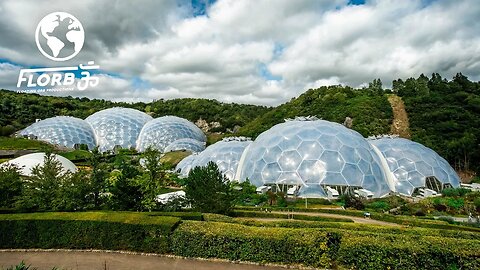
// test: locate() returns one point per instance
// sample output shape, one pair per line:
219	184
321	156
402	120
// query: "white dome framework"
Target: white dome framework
27	162
314	155
117	127
226	154
414	166
161	132
186	144
66	131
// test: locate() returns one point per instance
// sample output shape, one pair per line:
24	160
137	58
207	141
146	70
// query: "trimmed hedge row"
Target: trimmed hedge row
183	215
406	252
237	242
241	213
402	220
413	231
121	231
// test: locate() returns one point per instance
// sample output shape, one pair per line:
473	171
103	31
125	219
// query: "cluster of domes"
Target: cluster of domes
314	156
119	128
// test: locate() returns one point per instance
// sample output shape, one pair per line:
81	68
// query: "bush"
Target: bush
183	215
237	242
455	192
239	213
108	231
405	252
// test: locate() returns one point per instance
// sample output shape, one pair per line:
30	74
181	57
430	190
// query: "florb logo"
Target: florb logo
59	37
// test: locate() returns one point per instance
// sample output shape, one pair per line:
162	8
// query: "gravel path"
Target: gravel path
87	260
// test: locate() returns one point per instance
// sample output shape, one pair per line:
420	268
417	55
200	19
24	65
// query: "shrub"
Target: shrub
237	242
108	231
183	215
407	252
239	213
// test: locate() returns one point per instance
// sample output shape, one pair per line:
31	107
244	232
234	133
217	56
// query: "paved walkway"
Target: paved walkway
355	219
86	260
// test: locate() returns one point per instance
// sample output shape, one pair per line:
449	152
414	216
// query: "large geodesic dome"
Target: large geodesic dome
117	127
185	165
162	131
226	154
62	130
27	162
414	166
314	154
187	144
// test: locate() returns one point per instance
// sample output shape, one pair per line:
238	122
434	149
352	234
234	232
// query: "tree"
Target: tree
126	191
43	187
208	190
153	179
98	176
75	193
10	185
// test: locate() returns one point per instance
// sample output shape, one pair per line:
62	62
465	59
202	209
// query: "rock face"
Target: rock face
205	126
348	122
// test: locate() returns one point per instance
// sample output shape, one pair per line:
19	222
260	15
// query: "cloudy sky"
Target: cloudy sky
248	51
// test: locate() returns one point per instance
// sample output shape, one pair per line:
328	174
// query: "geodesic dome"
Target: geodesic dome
187	144
162	131
117	127
226	154
414	165
185	165
313	154
27	162
62	130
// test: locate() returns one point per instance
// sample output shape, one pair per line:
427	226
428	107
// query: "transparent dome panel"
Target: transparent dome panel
187	144
312	154
62	130
161	132
411	163
117	127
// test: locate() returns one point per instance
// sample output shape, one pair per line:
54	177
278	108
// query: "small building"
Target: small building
332	193
263	189
363	193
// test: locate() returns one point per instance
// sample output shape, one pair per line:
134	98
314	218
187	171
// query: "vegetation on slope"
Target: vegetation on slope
368	107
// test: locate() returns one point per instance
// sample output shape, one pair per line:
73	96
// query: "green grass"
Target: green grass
173	158
8	143
107	216
76	155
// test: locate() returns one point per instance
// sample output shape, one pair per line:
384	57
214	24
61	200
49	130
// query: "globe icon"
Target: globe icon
59	36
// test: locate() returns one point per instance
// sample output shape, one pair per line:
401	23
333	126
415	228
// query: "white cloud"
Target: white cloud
253	51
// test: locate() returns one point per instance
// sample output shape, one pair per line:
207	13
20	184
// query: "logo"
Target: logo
59	36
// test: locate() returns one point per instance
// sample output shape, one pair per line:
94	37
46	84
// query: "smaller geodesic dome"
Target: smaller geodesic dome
314	155
62	130
27	162
117	127
161	132
413	166
186	144
226	154
185	165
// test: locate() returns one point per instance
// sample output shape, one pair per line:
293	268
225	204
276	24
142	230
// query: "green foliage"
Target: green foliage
208	190
384	251
445	116
266	214
455	192
183	215
10	185
89	230
7	143
21	110
350	201
237	242
153	179
245	194
369	109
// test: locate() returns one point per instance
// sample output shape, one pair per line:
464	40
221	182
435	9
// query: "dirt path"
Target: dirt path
86	260
355	219
400	123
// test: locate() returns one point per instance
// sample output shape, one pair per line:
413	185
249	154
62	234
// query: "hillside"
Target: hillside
444	115
369	109
20	110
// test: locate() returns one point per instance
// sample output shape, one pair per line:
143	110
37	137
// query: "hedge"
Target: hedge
237	242
121	231
183	215
406	252
241	213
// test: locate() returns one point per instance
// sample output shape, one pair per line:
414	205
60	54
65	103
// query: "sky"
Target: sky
250	51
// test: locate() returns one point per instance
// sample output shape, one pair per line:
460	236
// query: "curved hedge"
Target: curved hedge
237	242
109	231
